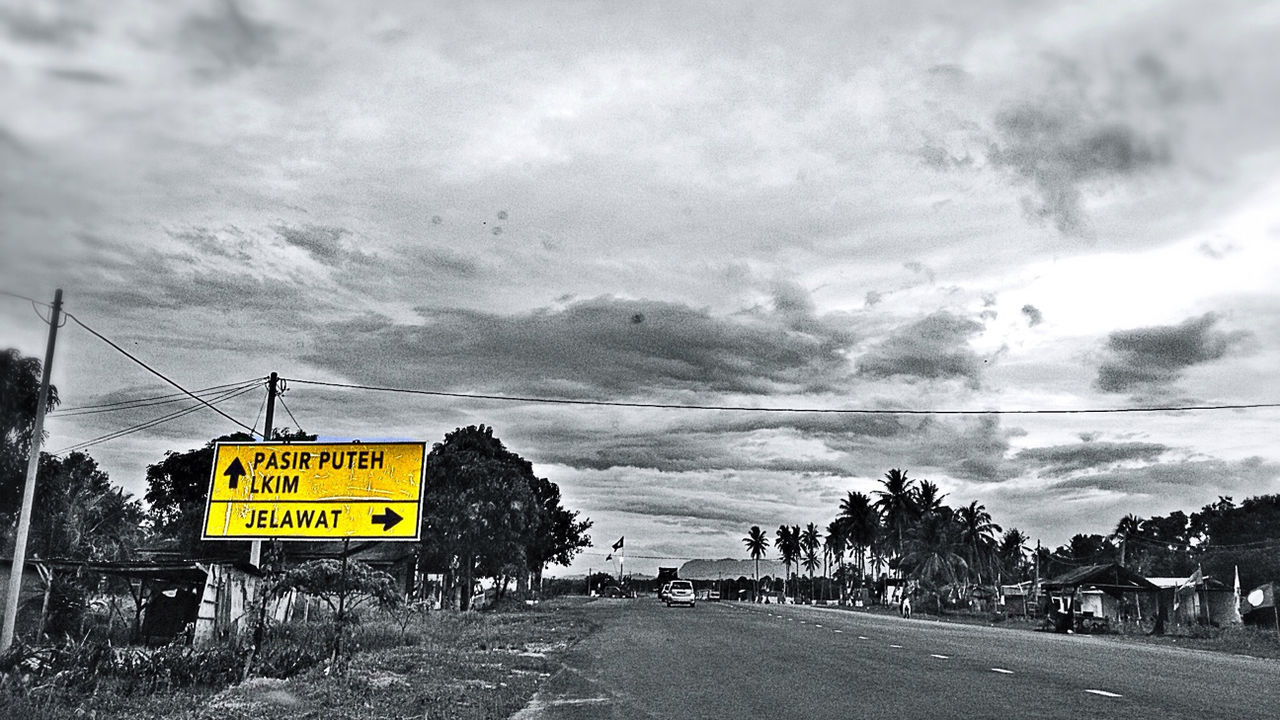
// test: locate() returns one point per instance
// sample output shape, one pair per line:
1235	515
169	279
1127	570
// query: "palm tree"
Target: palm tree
861	524
933	553
837	541
928	498
1013	553
786	546
978	533
1129	526
810	541
896	504
757	543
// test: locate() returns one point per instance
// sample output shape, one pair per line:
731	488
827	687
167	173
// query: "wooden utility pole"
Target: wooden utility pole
255	546
29	487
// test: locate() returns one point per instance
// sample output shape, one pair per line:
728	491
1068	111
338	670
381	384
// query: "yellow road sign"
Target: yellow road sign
315	491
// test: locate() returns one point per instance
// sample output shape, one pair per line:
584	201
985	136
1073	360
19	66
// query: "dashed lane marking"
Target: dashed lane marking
1104	693
862	637
1002	671
817	625
896	646
839	631
940	657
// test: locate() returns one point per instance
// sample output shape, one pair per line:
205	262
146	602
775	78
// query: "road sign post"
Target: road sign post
315	491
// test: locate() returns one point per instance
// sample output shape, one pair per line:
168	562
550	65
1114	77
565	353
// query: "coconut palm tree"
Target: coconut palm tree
757	544
978	534
934	553
861	523
836	542
787	551
1129	526
810	542
1013	553
896	505
928	498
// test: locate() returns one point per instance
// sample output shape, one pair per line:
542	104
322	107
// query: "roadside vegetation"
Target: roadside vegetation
483	664
954	558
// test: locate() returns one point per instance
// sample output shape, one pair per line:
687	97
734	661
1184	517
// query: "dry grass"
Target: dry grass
443	665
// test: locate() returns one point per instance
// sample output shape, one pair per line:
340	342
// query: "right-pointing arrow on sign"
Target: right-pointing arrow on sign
387	518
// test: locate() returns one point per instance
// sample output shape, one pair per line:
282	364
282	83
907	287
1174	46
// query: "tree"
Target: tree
82	516
343	586
978	534
757	544
1013	554
560	535
810	541
178	491
19	394
934	553
896	504
861	525
836	542
479	513
928	498
1130	526
787	542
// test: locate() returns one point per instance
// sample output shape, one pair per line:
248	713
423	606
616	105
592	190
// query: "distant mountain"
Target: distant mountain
729	568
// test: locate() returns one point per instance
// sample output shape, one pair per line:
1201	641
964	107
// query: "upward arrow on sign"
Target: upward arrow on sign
235	471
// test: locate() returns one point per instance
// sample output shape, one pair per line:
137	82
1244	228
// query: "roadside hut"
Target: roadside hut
1091	597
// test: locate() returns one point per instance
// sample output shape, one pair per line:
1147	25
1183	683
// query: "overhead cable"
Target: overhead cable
149	401
182	412
747	408
155	372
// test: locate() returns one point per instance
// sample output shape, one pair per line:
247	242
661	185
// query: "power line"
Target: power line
745	408
149	401
155	372
296	424
182	412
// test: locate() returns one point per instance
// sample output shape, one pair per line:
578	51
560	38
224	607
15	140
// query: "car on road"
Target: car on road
713	595
681	593
662	594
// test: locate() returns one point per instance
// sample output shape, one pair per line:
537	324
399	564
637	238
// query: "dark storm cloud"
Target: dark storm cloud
1034	316
934	348
322	241
227	39
1061	460
679	507
1059	150
1175	479
1152	358
27	25
79	75
591	348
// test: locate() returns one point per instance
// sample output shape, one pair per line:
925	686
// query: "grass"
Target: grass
1240	640
441	665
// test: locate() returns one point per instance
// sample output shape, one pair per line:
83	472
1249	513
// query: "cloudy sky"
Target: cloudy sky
1010	206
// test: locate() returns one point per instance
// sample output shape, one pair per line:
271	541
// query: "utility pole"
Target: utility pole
29	487
255	546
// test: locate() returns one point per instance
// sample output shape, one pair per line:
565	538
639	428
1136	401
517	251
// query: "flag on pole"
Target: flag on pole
618	545
1236	617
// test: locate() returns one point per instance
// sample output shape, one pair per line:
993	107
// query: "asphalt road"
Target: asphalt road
740	661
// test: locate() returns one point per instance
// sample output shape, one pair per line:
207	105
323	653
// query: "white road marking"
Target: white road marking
941	657
862	637
896	646
817	625
1002	671
1104	693
839	631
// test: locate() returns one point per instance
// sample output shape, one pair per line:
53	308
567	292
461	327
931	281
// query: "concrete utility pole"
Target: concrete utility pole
29	487
255	546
